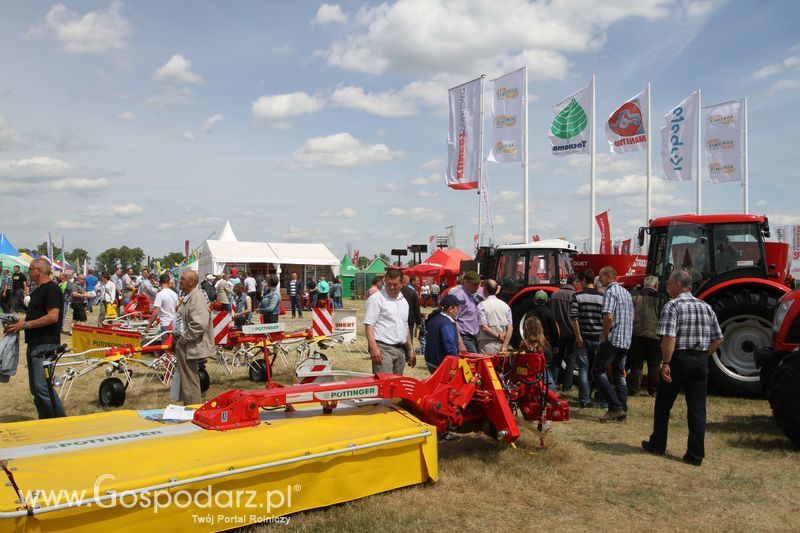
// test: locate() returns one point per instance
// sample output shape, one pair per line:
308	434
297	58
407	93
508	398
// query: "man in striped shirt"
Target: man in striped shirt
614	344
586	315
690	333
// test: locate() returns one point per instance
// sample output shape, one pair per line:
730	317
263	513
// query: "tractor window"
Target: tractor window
736	246
564	266
542	269
688	249
512	271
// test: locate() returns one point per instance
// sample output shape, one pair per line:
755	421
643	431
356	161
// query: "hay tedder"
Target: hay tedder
249	456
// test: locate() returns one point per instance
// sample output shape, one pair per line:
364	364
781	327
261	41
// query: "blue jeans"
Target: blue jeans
583	355
38	383
337	302
297	305
566	349
616	393
471	343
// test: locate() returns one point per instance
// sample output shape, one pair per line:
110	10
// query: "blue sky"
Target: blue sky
147	123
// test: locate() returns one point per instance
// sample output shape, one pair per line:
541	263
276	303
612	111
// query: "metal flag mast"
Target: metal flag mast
481	162
745	176
525	216
592	174
649	158
699	154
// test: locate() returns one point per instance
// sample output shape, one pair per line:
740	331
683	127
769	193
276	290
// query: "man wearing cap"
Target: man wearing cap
467	320
494	316
386	327
441	338
208	286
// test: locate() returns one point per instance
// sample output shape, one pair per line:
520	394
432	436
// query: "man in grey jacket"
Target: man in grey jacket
196	340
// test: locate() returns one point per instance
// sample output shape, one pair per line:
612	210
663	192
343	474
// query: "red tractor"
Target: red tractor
780	366
735	270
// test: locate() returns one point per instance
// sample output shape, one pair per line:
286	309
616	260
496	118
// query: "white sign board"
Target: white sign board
261	329
344	324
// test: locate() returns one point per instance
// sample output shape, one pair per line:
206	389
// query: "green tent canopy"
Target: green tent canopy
347	273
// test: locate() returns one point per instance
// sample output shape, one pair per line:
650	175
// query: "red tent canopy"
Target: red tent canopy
440	263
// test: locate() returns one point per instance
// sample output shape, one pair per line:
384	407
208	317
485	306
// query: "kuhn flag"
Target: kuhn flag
677	138
463	139
627	126
605	232
569	131
507	116
723	135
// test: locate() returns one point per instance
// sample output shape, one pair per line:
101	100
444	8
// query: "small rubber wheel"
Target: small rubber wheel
257	371
205	379
112	392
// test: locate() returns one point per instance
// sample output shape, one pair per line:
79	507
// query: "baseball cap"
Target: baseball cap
451	299
472	277
540	296
210	276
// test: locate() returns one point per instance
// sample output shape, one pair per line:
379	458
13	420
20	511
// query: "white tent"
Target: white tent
214	255
227	233
291	253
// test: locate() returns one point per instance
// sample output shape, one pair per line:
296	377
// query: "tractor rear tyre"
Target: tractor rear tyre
745	316
519	312
205	379
784	397
257	370
111	392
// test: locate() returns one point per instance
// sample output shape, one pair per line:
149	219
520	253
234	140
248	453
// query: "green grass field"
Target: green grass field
591	476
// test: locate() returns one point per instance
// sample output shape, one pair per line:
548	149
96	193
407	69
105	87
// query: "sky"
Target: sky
148	123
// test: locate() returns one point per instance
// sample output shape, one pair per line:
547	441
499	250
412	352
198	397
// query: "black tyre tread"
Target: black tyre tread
257	371
739	301
205	379
518	310
115	389
784	397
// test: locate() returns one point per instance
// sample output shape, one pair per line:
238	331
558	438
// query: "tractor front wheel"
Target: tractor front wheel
784	397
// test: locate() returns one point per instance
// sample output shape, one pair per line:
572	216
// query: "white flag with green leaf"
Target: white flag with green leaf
569	131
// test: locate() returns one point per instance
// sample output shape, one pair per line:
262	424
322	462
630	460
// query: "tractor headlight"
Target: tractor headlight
780	313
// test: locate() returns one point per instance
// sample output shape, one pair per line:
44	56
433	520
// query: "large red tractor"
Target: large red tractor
780	366
735	270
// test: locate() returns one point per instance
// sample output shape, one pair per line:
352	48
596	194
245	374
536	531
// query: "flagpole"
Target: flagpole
525	216
746	163
699	154
481	162
649	157
592	174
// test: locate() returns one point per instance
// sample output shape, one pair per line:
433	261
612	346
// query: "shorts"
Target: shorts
78	311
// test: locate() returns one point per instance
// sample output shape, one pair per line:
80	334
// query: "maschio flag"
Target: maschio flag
677	139
507	114
569	131
605	232
723	135
626	127
463	139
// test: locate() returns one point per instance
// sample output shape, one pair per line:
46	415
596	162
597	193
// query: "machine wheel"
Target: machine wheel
205	379
257	370
112	392
784	397
519	312
745	316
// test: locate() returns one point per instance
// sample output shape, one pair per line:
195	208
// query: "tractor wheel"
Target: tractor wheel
205	379
112	392
784	397
519	312
745	316
257	370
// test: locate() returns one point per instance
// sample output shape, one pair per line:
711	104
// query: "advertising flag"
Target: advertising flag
605	232
569	131
463	139
627	126
723	134
677	139
626	247
507	118
431	244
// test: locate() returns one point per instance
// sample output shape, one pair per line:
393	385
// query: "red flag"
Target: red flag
626	247
536	238
355	257
605	232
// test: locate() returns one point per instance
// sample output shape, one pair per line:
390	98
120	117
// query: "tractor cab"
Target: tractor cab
712	248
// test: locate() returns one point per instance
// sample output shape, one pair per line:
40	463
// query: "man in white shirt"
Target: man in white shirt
494	317
165	305
386	327
107	292
250	288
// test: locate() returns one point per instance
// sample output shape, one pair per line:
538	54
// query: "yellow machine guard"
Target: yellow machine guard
118	471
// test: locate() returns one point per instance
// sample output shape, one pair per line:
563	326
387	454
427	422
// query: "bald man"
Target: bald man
195	337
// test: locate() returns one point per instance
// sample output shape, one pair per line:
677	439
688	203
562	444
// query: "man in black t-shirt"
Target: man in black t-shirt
42	326
19	288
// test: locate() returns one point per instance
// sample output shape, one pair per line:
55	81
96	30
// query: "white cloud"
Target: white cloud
788	63
127	115
187	136
189	223
329	13
324	214
427	194
425	180
40	167
416	213
508	238
433	164
346	232
295	233
785	85
74	224
78	184
9	137
178	69
127	210
169	95
96	32
211	121
762	203
340	150
506	196
432	36
386	104
391	186
277	108
347	212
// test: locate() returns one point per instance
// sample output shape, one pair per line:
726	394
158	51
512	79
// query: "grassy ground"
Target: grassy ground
591	476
